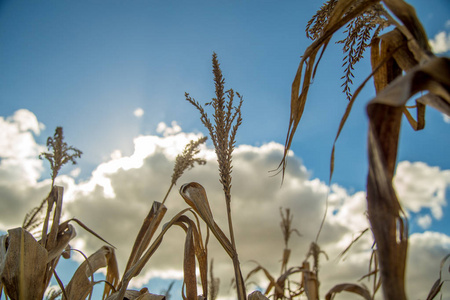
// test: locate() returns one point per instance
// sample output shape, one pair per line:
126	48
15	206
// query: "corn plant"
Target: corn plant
282	285
402	65
60	155
27	265
144	248
227	119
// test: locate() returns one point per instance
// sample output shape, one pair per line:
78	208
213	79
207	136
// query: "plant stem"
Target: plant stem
168	192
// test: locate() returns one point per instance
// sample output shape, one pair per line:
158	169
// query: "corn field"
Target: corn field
402	66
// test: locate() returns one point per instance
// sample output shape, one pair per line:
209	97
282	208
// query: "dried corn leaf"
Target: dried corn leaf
436	288
257	295
139	265
433	76
310	282
435	102
80	286
3	248
57	199
148	229
385	214
352	243
62	241
398	46
191	249
343	13
190	280
63	227
199	250
376	67
285	259
195	196
339	17
278	284
348	287
384	211
272	281
51	199
138	295
407	15
23	266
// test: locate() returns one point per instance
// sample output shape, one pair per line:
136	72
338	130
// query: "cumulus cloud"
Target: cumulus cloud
167	130
20	167
120	192
138	112
440	43
420	186
446	118
424	221
426	250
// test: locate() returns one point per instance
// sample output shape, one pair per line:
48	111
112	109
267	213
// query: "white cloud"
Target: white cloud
138	112
426	250
446	118
75	172
16	135
20	166
424	221
166	130
420	186
116	198
440	43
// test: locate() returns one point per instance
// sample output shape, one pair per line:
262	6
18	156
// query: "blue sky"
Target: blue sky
88	65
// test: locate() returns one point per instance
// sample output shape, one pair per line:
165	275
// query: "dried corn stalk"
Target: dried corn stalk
404	49
27	265
227	119
282	285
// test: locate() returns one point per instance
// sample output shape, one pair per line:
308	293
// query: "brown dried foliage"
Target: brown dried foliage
404	49
227	119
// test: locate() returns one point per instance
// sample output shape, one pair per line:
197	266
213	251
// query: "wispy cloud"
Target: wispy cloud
122	190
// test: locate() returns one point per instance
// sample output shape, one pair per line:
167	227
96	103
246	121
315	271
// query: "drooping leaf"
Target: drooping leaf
80	286
148	228
195	196
348	287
